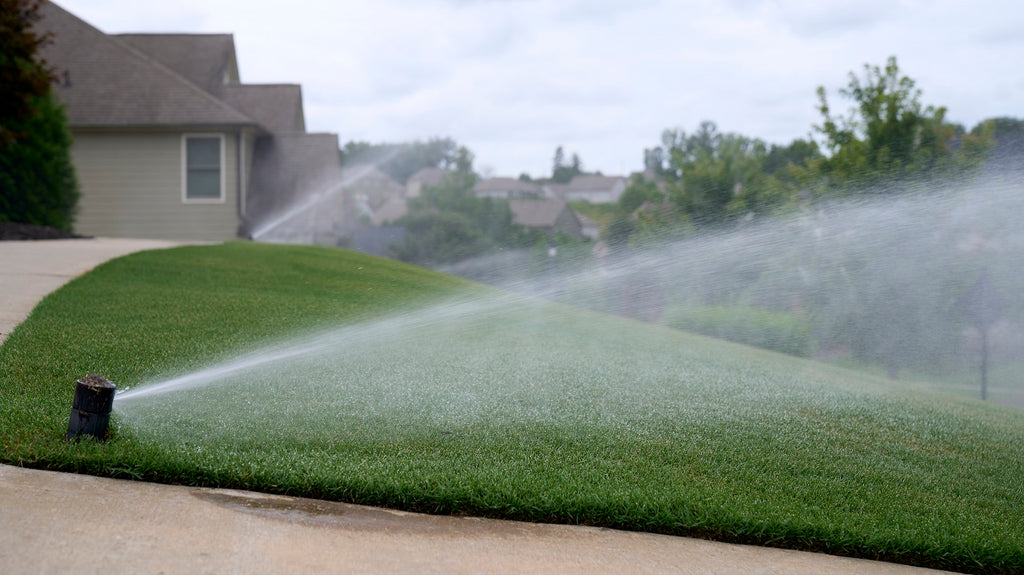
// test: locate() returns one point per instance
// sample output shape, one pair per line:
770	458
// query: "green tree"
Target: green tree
1007	137
37	180
712	177
24	77
797	154
563	173
639	191
448	223
463	162
888	135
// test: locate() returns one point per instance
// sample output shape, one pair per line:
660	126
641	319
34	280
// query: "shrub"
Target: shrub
37	179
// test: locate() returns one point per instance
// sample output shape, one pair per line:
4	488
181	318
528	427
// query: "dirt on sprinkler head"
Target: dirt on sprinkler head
96	381
13	231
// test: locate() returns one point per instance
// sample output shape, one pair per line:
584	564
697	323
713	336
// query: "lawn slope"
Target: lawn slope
432	394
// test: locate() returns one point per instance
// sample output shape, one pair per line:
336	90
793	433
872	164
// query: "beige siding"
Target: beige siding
131	186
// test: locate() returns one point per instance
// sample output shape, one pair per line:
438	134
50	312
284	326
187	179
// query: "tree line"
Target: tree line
886	141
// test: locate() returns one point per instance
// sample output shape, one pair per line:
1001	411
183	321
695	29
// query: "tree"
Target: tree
712	176
1007	137
654	161
559	161
37	180
448	223
24	77
888	135
639	191
563	173
982	305
796	154
463	162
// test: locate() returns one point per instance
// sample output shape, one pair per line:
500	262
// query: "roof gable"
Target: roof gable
107	82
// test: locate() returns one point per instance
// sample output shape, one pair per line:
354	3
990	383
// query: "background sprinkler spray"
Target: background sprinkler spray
90	410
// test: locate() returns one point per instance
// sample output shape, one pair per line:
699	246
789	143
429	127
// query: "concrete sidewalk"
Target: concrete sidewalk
63	523
29	270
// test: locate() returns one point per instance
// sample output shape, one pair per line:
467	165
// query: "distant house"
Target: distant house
593	189
427	177
550	216
507	189
367	189
392	209
168	143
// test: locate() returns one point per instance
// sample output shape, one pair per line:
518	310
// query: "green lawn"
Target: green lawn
427	393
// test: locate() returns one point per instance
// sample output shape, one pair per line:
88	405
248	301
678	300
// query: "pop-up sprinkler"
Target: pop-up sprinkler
90	410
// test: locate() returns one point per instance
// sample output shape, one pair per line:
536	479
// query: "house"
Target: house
507	189
550	216
392	209
427	177
588	188
168	143
366	189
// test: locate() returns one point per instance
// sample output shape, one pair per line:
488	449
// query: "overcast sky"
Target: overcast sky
513	79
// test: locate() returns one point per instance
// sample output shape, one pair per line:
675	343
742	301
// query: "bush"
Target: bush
37	179
782	332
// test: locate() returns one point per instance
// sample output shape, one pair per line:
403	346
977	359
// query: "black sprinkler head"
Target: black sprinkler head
90	411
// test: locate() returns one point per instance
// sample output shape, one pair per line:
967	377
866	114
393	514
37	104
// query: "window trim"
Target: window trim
222	198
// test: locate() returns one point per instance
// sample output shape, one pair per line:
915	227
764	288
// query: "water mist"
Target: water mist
872	280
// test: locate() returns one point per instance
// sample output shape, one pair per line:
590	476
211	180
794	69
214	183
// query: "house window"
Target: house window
204	168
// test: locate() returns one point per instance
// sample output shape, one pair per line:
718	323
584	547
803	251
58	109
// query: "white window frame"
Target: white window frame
184	170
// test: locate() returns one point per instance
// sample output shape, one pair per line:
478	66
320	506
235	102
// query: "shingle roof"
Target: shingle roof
536	213
206	60
593	182
110	83
506	184
277	107
429	176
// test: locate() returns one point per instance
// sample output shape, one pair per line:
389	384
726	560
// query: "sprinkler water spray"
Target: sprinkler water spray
90	410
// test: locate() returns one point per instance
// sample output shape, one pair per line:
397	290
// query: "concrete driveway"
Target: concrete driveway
66	523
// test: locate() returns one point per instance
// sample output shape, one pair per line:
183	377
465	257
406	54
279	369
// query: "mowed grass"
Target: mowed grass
441	396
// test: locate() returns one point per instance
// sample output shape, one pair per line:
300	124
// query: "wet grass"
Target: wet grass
474	402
